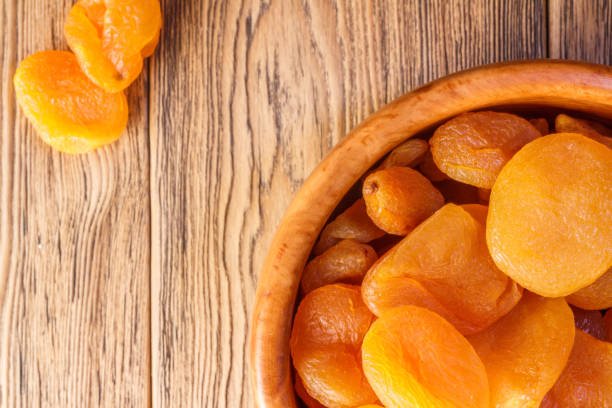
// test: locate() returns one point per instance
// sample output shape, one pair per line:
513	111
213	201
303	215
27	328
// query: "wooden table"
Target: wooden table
127	275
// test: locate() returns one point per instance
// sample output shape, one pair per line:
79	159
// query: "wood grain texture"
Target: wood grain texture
271	87
74	248
581	30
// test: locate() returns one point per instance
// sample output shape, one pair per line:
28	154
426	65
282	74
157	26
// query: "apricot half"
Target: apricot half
525	351
598	295
549	225
68	111
325	344
412	357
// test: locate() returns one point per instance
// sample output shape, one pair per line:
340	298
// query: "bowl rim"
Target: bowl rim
570	85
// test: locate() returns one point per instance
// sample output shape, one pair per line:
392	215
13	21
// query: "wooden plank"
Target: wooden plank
246	98
580	30
74	248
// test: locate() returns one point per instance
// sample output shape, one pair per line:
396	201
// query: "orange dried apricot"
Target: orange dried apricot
399	198
525	351
593	130
408	154
590	321
110	38
304	396
456	192
444	265
69	112
353	223
484	195
598	295
412	357
325	343
473	147
541	124
346	262
587	378
548	226
429	169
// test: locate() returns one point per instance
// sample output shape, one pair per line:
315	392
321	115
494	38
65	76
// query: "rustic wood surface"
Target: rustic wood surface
127	275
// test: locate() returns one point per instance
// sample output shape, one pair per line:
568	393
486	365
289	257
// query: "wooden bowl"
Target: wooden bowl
546	84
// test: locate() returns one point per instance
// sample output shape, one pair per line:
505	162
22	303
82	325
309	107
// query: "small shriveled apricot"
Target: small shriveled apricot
328	330
587	378
593	130
473	147
304	396
444	265
399	198
541	124
346	262
525	351
590	321
549	217
456	192
412	357
408	154
110	38
598	295
69	112
353	223
429	169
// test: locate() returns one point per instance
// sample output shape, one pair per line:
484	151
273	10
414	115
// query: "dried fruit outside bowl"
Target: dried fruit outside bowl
547	84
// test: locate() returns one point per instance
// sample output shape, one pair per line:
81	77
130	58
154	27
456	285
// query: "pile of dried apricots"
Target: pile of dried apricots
474	271
75	100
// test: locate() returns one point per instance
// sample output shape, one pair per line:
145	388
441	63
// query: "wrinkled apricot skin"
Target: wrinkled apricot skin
110	38
353	223
325	344
69	112
587	378
399	198
590	321
596	296
444	265
473	147
346	262
525	351
408	154
412	357
549	225
593	130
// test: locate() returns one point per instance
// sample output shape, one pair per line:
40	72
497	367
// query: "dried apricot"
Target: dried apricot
598	295
69	112
473	147
593	130
587	378
456	192
548	226
346	262
412	357
541	124
408	154
325	343
304	396
353	223
590	321
525	351
399	198
484	195
607	323
429	169
444	265
110	38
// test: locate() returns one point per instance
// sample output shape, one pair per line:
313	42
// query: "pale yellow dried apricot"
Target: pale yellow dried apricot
525	351
111	37
412	357
399	198
325	343
549	217
586	381
346	262
68	111
444	265
473	147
